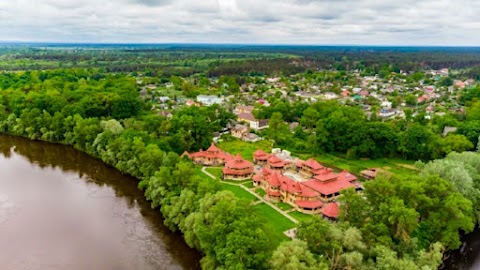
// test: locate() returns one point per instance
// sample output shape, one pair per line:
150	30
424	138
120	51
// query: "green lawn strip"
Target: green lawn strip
260	192
284	206
215	171
238	182
239	192
248	184
276	221
300	216
246	149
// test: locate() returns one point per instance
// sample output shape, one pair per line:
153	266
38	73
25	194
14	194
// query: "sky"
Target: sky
314	22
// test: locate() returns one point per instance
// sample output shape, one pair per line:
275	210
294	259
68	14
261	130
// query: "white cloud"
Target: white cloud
407	22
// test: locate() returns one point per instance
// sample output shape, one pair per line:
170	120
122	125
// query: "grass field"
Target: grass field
284	206
260	192
217	172
248	184
275	220
240	192
396	166
300	216
393	165
246	149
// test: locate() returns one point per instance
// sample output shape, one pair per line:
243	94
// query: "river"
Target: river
61	209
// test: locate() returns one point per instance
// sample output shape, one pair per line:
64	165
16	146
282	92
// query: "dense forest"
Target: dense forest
93	104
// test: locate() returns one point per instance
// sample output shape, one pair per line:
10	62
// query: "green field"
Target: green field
246	149
393	165
249	184
215	171
260	192
240	192
299	216
278	222
284	206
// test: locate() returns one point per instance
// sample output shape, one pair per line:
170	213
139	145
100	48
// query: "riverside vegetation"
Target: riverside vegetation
397	223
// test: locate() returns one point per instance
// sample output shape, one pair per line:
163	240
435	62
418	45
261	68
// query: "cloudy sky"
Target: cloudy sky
374	22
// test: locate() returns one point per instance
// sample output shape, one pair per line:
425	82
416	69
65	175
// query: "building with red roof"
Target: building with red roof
260	157
331	211
238	169
277	164
213	156
309	188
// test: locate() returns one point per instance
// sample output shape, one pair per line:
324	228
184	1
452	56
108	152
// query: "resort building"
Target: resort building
238	169
213	156
309	186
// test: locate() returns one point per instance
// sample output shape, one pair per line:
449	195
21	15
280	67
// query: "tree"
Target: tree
294	255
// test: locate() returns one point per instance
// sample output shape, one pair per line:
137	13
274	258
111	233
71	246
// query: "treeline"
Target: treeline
333	128
186	60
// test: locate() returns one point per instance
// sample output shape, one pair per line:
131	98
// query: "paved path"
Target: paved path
255	194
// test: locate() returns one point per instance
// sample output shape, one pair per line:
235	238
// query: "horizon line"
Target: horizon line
4	42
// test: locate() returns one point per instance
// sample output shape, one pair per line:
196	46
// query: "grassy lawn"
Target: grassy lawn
248	184
246	149
276	221
217	172
260	192
284	206
300	216
239	192
393	165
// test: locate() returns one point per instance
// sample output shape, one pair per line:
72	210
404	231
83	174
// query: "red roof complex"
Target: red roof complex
328	188
331	210
260	156
275	163
308	186
309	204
238	169
213	156
313	164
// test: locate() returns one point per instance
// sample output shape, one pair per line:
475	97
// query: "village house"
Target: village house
213	156
209	100
239	131
238	169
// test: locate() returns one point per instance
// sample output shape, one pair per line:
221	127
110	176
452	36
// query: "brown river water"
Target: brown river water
61	209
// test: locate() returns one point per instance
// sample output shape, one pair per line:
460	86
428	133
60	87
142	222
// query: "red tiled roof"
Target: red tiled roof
274	161
229	171
273	193
327	176
309	204
289	185
329	187
260	155
274	179
212	152
331	210
213	149
239	163
313	164
345	175
299	163
308	193
257	177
